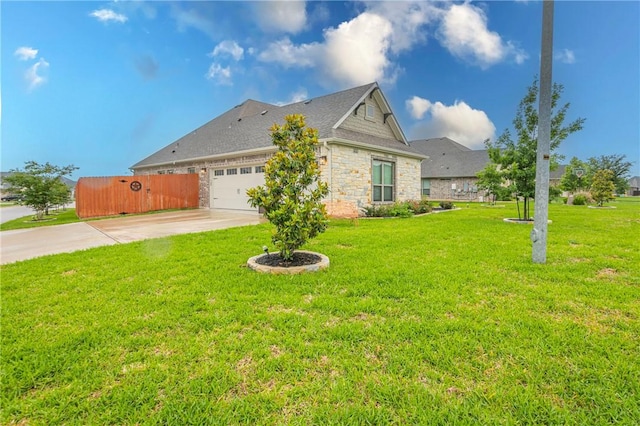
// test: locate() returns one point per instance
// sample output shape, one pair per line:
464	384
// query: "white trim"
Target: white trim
340	141
232	154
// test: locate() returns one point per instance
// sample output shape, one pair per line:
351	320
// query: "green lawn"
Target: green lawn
437	319
55	217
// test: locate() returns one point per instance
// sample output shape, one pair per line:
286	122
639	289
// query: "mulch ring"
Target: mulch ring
299	259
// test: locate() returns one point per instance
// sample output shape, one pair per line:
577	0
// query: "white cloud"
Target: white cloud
25	53
565	56
297	96
219	74
356	51
417	107
464	32
107	15
285	53
281	16
408	21
460	122
228	47
34	74
353	53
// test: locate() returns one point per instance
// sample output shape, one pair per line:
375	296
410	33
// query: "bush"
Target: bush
580	200
398	209
446	205
419	207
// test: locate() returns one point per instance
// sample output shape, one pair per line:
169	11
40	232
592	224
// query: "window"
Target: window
245	170
160	172
169	172
232	172
370	111
218	172
383	178
191	170
426	187
259	169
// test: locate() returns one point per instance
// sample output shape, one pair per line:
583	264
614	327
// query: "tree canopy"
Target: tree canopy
617	164
602	186
41	185
517	155
576	176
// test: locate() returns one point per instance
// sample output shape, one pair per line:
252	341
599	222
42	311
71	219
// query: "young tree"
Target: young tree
602	186
40	185
576	176
517	157
618	166
293	191
490	179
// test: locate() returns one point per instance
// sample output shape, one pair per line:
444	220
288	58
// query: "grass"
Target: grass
55	217
437	319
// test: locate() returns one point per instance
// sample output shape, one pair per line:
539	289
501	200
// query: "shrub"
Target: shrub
418	206
293	192
580	200
446	205
398	209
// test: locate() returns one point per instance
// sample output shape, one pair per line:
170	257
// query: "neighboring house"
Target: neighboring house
450	171
363	153
634	186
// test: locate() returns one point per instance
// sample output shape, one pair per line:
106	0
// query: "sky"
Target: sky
102	85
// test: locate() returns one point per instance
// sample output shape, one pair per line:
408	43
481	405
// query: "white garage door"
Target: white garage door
229	187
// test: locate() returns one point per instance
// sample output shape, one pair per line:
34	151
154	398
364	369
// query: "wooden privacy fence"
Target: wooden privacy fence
113	195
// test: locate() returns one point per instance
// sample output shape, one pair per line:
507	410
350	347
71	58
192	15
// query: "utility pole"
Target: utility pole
543	157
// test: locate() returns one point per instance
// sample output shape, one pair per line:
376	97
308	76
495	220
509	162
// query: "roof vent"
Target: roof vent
308	101
263	112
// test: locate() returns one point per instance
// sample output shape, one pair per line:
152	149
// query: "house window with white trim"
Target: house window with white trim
370	111
383	181
426	187
191	170
219	172
245	170
259	169
232	172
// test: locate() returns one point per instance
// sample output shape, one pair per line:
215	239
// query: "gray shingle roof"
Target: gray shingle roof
246	127
449	159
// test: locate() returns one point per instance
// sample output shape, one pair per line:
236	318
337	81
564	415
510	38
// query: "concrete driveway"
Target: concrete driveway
25	244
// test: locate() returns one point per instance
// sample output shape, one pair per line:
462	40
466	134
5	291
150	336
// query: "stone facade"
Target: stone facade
348	173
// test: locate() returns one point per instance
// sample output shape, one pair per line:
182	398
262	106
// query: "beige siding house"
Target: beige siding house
363	153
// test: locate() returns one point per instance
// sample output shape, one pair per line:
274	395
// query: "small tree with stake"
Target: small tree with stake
517	156
292	194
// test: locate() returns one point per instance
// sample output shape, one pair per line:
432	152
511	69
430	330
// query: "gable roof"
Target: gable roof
245	127
449	159
634	182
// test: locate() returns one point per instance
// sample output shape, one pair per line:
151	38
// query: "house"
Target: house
363	153
450	171
634	186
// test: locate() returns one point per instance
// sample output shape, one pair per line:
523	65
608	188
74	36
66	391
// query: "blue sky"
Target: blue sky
102	85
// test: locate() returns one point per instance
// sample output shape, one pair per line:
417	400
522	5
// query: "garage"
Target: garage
229	187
